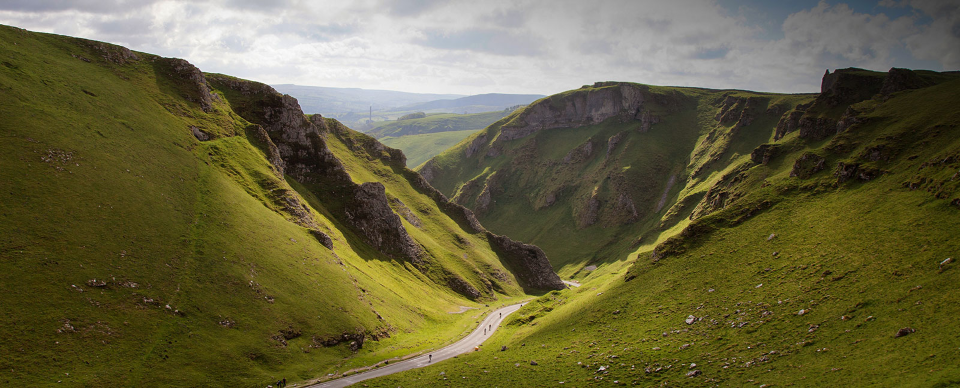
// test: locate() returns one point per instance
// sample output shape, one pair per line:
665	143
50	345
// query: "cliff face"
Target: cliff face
583	107
305	156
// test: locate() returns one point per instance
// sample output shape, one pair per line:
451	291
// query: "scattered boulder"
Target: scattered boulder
690	319
694	373
905	331
534	363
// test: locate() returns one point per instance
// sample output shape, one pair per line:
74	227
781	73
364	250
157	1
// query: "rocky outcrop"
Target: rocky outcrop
847	171
579	154
902	79
527	262
590	212
475	145
370	213
269	149
461	286
849	86
587	106
613	141
195	88
790	121
816	128
807	165
739	111
626	209
764	152
400	208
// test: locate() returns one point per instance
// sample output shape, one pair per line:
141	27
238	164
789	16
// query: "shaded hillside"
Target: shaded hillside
166	227
828	257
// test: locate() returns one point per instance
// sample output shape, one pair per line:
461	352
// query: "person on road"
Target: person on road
430	358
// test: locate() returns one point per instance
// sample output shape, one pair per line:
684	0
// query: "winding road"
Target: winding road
467	344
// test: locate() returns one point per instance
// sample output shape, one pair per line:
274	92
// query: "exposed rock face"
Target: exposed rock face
475	145
200	135
848	86
270	150
763	153
429	170
302	147
849	119
626	207
790	121
528	263
901	79
807	165
370	213
590	212
613	141
303	154
462	287
579	154
197	89
583	107
816	128
400	208
848	171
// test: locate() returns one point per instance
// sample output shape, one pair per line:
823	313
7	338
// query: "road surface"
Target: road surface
465	345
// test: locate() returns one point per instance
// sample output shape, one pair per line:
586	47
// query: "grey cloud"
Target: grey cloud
410	7
259	5
711	53
484	40
316	32
91	6
124	27
510	18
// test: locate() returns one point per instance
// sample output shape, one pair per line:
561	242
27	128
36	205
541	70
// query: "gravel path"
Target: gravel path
467	344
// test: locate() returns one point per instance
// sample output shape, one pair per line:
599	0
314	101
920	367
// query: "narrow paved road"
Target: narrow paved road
465	345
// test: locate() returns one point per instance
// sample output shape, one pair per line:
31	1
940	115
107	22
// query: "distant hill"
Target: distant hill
334	102
473	104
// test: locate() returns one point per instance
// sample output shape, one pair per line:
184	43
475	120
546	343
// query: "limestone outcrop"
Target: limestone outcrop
587	106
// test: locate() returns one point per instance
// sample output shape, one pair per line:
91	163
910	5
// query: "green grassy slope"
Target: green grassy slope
545	183
420	148
133	254
817	280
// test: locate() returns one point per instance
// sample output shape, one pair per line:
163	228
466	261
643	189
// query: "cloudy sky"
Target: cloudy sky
517	46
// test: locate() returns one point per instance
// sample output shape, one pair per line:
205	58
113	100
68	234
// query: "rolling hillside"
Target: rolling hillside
166	227
472	104
807	246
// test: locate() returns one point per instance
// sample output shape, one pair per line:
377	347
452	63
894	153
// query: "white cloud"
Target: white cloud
528	46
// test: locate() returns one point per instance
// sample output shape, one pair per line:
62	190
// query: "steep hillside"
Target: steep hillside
166	227
827	258
609	165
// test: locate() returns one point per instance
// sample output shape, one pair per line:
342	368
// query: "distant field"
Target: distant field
420	148
439	122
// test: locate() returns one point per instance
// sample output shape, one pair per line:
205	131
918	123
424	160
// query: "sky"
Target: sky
517	46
